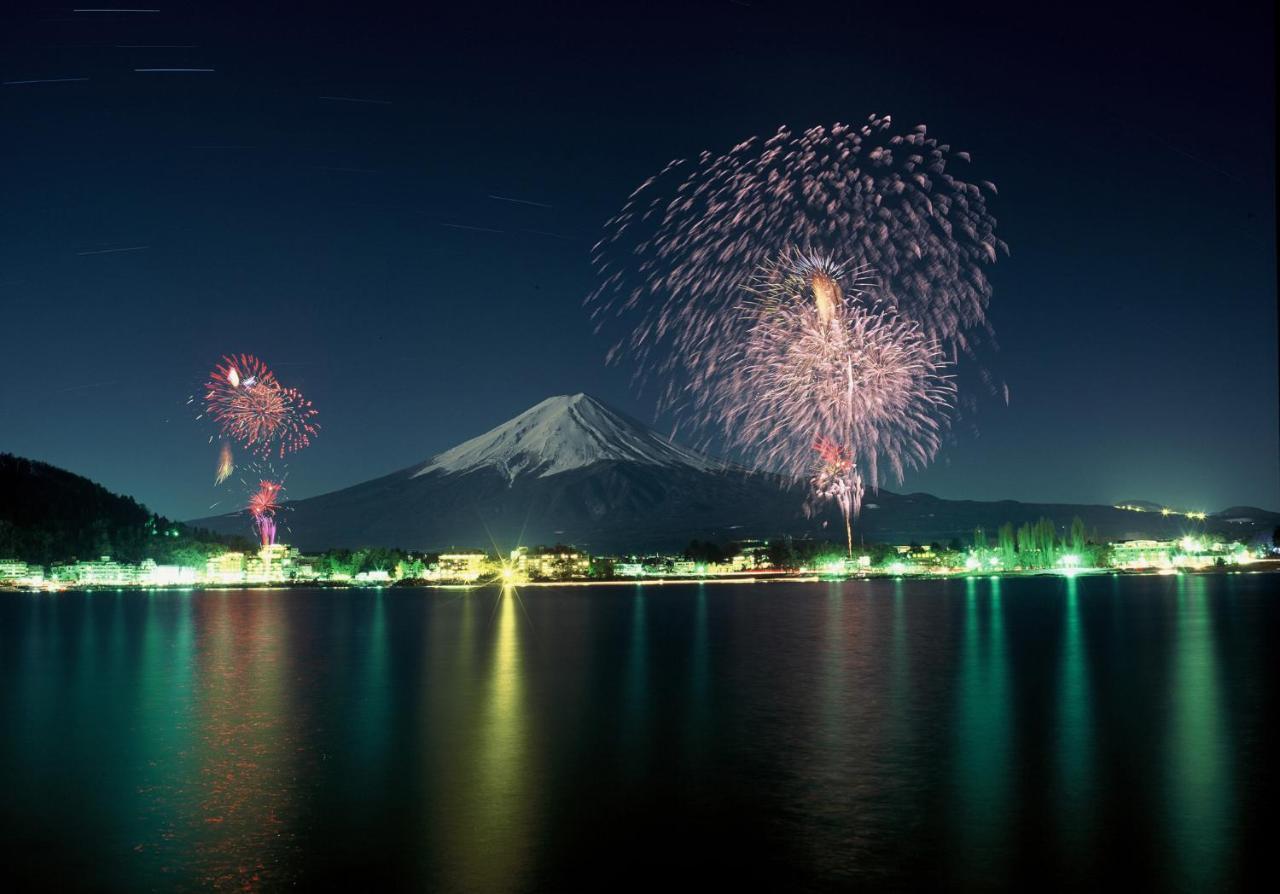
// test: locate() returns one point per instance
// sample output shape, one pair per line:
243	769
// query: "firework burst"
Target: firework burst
252	408
673	261
827	382
263	504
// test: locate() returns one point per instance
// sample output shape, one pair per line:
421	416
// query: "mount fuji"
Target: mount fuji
569	469
562	434
573	470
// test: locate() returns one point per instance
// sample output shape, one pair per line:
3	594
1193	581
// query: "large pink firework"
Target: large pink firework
672	263
826	382
253	409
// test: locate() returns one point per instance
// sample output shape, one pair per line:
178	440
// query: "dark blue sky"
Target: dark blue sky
1133	149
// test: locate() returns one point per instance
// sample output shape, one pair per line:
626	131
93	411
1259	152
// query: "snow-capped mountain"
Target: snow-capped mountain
572	470
563	433
569	469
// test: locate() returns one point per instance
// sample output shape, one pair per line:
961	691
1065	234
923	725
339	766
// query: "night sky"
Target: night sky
339	196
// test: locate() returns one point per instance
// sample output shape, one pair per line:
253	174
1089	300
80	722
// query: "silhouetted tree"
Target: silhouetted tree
1078	539
979	539
1006	545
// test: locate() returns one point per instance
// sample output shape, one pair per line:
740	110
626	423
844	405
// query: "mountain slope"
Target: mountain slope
560	434
48	514
571	469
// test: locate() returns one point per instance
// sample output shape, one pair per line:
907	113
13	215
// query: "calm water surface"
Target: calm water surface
986	733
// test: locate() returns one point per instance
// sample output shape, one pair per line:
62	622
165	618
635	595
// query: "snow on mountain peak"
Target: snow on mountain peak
562	433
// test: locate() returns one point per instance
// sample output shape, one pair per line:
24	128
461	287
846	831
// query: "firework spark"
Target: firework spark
673	261
252	408
226	463
837	478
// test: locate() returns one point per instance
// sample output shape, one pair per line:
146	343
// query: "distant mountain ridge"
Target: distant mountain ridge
571	469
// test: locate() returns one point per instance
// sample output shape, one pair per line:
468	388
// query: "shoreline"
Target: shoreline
1269	566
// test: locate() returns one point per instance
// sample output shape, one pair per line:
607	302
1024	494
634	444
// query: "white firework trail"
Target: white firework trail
673	261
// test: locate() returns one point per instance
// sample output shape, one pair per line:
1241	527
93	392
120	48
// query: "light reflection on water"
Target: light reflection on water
241	828
1074	751
635	694
985	733
985	763
1199	781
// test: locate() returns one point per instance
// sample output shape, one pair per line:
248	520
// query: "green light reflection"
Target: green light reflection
983	726
1199	782
636	687
1074	751
698	724
374	724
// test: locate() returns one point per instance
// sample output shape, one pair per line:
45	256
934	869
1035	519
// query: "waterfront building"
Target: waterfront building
629	569
278	554
273	563
752	555
554	563
1140	554
152	575
462	567
858	565
102	572
15	573
655	566
225	568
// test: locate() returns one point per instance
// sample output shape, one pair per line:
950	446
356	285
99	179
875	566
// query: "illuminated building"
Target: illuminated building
752	554
226	568
462	567
152	575
100	573
20	573
550	564
274	563
915	559
278	554
1139	554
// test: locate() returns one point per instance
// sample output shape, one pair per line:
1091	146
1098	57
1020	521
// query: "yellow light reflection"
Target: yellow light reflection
493	831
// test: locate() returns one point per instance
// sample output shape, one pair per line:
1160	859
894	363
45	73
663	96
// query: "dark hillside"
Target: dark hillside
48	515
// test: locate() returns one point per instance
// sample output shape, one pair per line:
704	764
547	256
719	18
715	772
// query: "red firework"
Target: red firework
833	456
266	499
251	407
297	428
262	506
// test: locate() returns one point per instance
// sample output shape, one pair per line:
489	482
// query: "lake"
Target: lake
985	733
